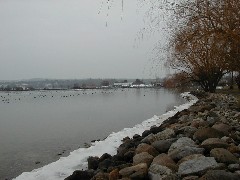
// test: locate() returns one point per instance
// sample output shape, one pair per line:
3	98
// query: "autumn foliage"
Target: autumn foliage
206	41
177	80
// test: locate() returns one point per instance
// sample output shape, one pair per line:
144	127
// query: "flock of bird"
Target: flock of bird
11	97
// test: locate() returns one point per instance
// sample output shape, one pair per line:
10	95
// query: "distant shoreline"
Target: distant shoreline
79	89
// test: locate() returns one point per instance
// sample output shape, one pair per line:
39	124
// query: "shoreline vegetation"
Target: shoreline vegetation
201	142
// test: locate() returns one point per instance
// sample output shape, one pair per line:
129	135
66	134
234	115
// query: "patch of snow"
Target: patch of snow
77	159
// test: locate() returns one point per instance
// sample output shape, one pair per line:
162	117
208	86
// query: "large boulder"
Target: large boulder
222	127
183	147
206	133
212	143
165	160
139	171
220	175
143	157
146	148
162	146
181	142
197	166
223	156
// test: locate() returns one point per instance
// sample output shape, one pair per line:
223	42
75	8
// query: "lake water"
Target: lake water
38	127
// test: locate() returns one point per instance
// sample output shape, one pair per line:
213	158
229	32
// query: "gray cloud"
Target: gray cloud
69	39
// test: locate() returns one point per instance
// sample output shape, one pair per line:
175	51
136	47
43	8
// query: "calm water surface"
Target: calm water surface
42	126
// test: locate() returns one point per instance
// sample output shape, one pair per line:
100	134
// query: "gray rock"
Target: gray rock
148	139
187	130
181	142
183	119
233	167
143	157
211	120
183	147
163	146
158	172
165	134
184	151
227	139
237	172
220	175
223	156
197	166
190	157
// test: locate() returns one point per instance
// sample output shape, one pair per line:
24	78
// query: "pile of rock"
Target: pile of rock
201	142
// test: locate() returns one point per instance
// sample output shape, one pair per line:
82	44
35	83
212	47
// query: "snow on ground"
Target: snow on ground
78	159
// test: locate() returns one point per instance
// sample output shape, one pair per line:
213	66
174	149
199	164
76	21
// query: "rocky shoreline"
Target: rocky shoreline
201	142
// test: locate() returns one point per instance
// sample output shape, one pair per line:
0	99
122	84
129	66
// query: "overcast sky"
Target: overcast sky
70	39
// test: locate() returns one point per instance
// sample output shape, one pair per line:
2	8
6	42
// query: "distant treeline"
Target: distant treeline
63	84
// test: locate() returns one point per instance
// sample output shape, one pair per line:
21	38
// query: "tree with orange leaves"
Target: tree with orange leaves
206	42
